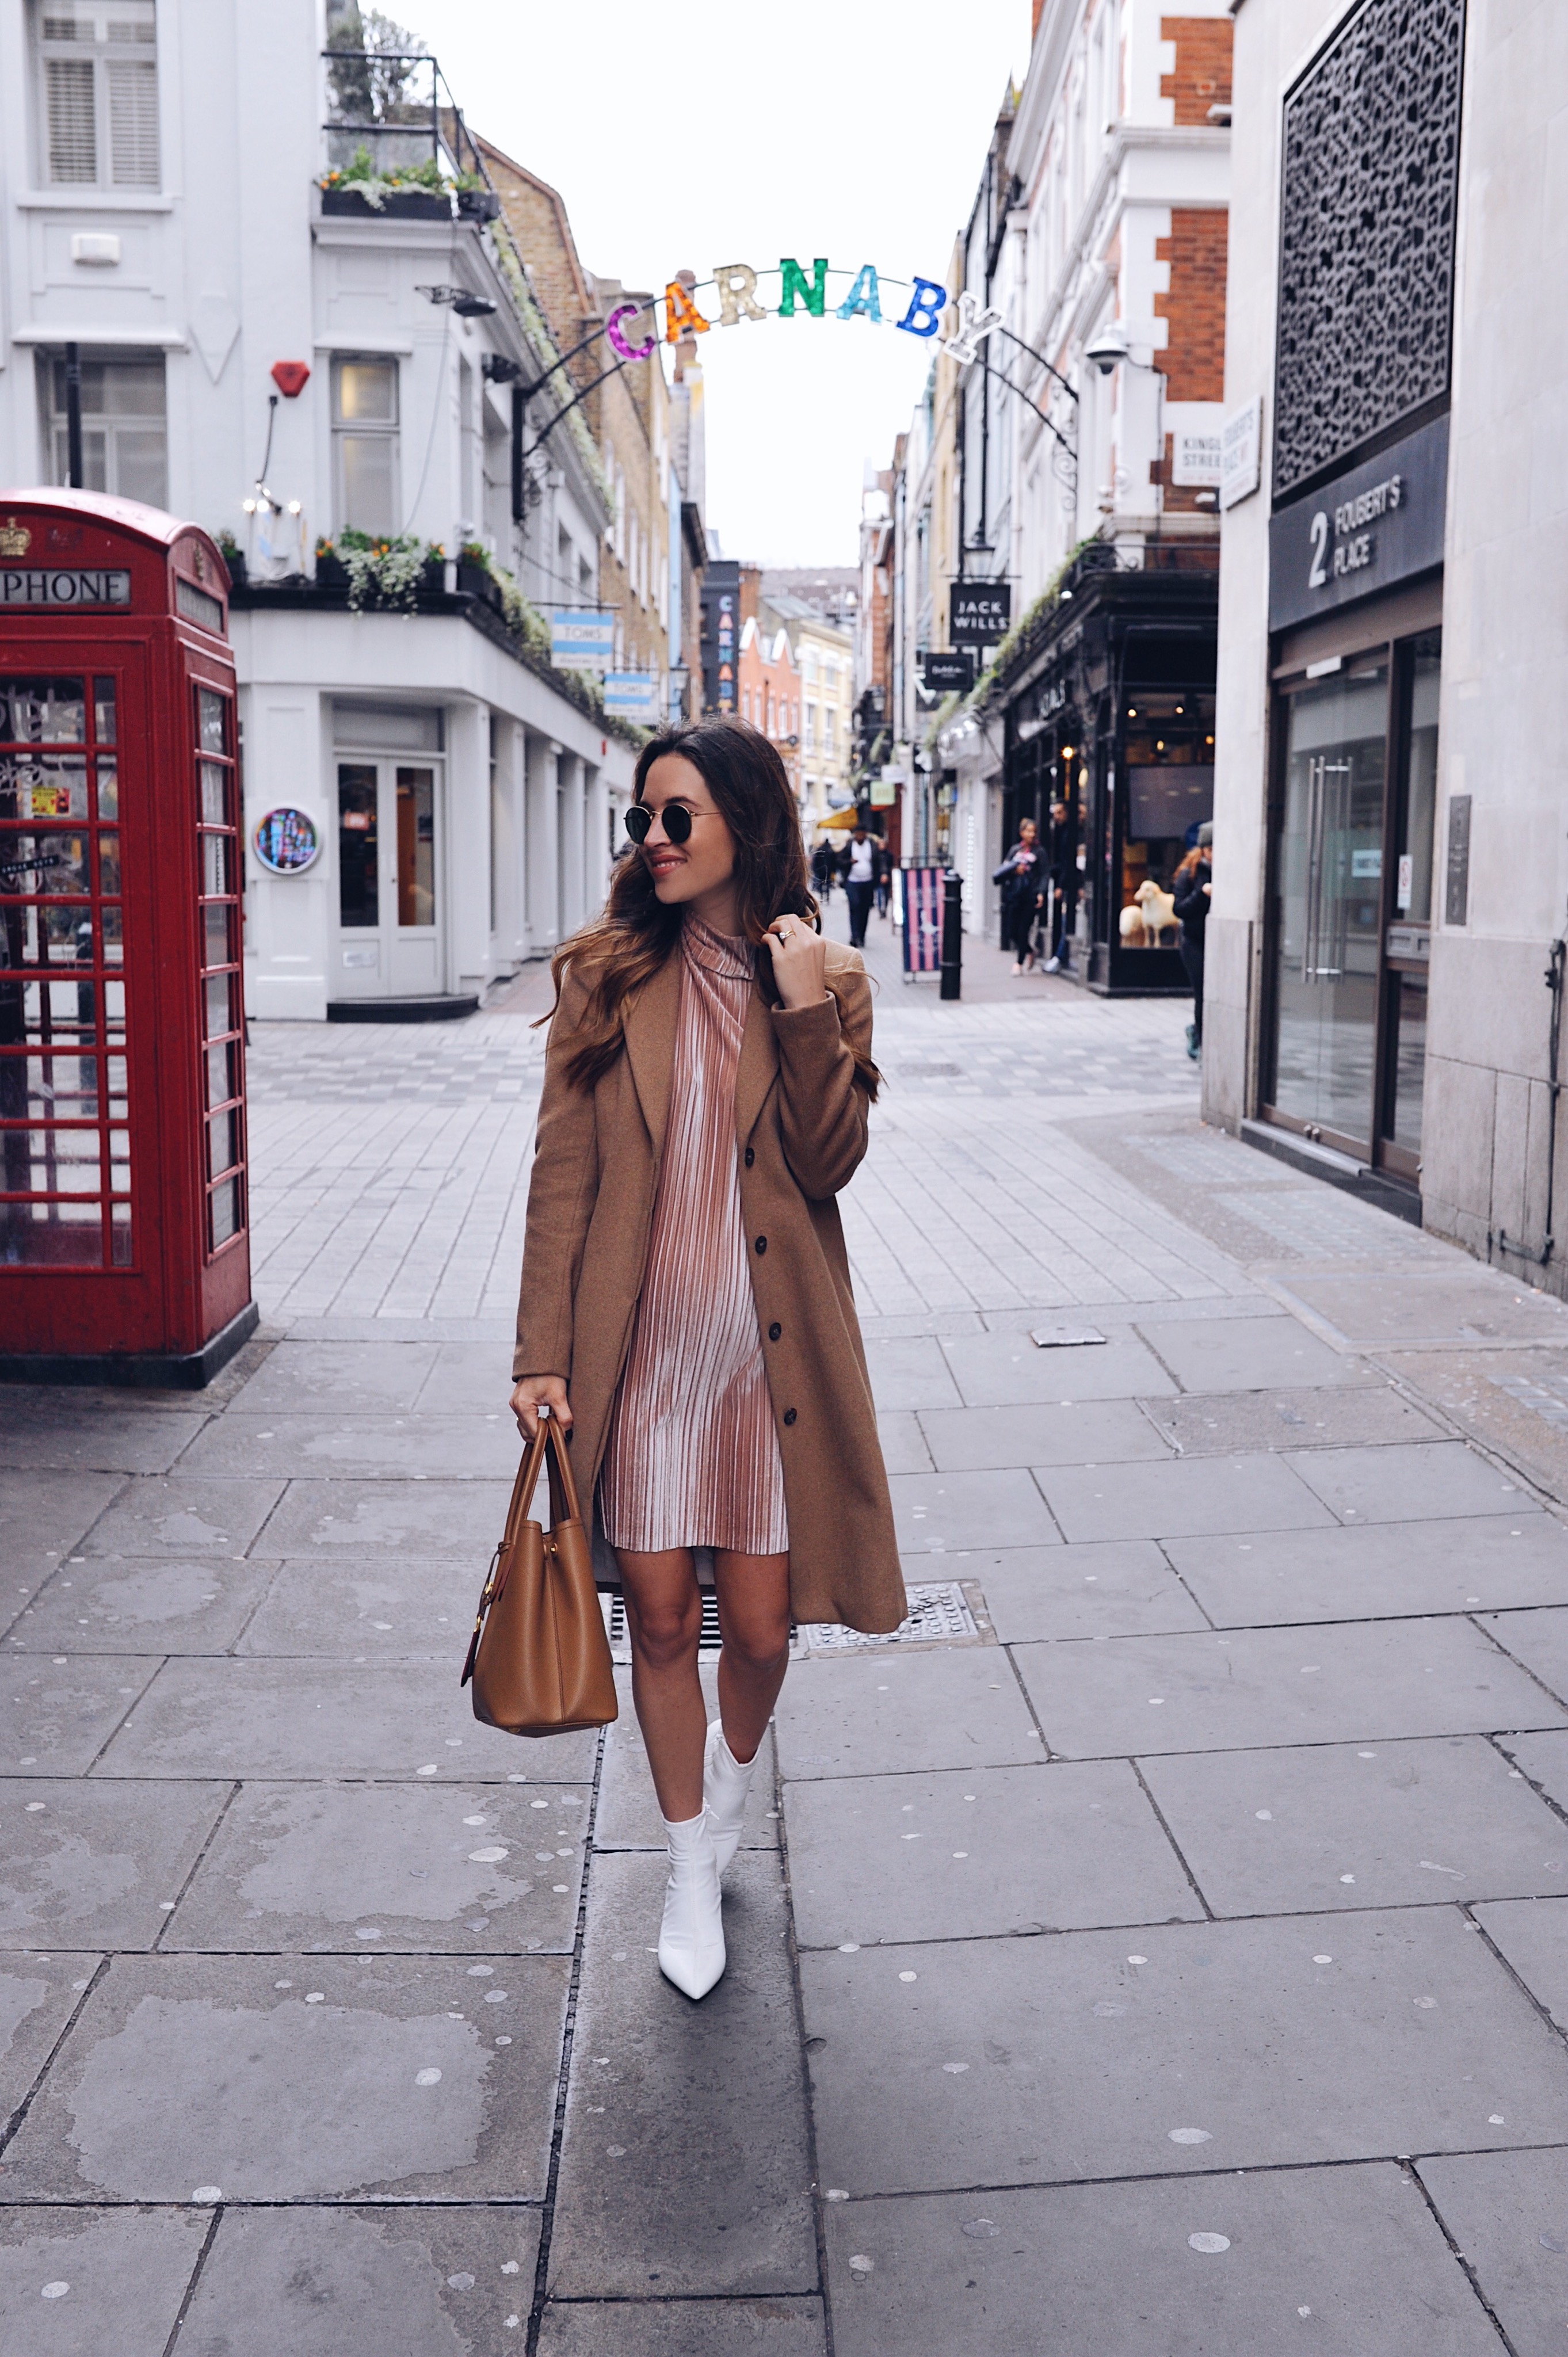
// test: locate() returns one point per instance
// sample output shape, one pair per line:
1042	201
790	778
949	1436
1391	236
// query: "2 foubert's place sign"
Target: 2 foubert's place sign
733	292
1380	523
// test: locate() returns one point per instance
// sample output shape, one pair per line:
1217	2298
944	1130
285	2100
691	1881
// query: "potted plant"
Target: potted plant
409	192
233	557
474	576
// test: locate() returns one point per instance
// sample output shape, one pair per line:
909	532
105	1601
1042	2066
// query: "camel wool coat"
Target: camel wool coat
800	1132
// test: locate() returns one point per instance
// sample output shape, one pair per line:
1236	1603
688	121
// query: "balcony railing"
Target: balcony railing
398	104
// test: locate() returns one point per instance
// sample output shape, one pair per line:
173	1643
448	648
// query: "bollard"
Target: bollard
952	934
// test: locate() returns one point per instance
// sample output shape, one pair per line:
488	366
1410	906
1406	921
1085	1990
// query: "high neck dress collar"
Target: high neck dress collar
717	952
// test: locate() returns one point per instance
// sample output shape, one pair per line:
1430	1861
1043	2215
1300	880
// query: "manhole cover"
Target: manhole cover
941	1612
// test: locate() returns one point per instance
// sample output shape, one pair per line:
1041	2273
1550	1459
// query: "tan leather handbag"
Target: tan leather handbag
539	1659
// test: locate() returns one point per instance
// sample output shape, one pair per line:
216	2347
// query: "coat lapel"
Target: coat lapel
650	1023
758	1066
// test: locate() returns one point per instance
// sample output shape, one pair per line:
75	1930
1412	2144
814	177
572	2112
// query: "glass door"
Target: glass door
1329	910
390	943
1408	939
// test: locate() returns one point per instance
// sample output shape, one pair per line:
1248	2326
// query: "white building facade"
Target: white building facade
292	366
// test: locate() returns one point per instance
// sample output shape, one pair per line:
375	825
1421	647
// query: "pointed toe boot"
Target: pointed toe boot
692	1936
726	1783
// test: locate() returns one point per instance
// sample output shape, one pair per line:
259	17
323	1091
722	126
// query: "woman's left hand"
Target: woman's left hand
800	962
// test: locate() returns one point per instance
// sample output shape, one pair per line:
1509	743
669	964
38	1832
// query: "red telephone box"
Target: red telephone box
124	1249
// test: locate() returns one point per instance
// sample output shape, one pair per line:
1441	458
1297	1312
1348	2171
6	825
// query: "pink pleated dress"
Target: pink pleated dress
691	1459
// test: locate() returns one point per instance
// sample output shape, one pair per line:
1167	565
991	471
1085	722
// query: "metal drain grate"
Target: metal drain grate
941	1612
614	1605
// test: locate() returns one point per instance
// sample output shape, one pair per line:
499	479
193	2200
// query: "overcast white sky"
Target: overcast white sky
696	134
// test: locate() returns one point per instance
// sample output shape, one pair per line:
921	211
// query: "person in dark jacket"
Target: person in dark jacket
1062	867
824	867
1190	889
1021	877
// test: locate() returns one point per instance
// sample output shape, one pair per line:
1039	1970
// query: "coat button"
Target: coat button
789	1416
761	1244
750	1157
774	1331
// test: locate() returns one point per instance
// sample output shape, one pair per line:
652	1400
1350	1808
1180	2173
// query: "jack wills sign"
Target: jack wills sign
1377	525
980	612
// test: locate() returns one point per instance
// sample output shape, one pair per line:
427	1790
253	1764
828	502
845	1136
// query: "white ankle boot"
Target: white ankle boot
692	1936
726	1782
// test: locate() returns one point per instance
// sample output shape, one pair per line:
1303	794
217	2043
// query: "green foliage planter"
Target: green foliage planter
397	204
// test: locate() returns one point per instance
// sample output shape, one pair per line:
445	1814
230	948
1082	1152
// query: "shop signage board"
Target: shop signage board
286	842
1197	457
582	638
948	671
1240	453
979	612
633	696
1377	525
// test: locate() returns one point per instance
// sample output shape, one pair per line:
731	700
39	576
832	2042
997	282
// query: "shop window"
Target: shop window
365	444
124	432
96	77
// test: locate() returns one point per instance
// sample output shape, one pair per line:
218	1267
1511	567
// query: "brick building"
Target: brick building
768	684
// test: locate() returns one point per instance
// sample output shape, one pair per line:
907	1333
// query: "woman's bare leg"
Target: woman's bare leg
664	1617
753	1620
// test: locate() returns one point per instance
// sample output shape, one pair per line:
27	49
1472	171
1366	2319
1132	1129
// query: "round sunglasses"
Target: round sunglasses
677	821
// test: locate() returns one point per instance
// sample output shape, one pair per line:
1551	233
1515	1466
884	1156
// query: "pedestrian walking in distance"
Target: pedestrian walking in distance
686	1307
859	883
1190	890
825	861
1062	868
1022	878
884	867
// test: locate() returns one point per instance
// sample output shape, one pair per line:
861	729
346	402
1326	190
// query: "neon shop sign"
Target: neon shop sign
735	284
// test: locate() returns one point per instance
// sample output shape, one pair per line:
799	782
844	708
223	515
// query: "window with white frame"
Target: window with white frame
365	444
96	77
810	728
124	432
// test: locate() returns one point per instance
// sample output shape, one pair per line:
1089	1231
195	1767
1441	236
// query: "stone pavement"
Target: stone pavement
1154	1958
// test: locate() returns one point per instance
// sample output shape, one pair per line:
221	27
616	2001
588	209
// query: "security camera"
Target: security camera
1107	346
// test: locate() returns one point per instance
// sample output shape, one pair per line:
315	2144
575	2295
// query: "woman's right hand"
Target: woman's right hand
531	1394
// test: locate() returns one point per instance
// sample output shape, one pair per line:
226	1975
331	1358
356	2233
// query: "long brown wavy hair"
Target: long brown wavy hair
627	942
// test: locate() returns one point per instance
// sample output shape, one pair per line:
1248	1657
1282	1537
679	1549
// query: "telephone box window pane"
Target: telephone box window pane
46	787
35	865
109	863
216	920
212	708
42	712
58	1161
53	1087
220	1018
416	846
46	1013
358	892
51	1236
119	1100
214	864
103	710
222	1138
115	1008
220	1075
120	1236
225	1214
108	789
214	795
119	1161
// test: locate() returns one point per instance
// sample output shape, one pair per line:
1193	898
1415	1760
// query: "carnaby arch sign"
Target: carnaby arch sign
682	309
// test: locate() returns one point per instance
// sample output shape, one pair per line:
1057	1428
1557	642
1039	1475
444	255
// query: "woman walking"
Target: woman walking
1190	892
685	1310
1021	877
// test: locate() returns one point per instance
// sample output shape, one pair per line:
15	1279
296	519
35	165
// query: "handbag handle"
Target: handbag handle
563	1506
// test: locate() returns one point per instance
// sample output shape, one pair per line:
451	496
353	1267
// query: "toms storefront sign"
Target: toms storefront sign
582	638
979	613
1379	524
632	695
70	584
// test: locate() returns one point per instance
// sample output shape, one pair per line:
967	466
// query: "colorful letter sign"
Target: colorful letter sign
863	295
793	283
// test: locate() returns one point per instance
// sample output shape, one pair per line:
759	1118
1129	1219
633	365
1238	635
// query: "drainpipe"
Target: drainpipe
1554	979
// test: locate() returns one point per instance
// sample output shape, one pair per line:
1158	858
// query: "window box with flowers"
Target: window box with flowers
380	574
418	192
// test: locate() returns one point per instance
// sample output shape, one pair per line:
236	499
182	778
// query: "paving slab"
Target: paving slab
171	1514
877	1714
76	2282
1544	1759
626	1816
1386	1824
290	1720
47	1429
470	1379
1533	1936
43	1520
1267	1686
343	1378
58	1713
340	2281
904	1448
1337	2260
1457	1304
909	1371
1375	1571
1511	1401
384	1604
167	1604
1538	1639
90	1864
698	2110
370	1448
1184	1498
383	1867
1115	1587
1006	1370
1420	1480
450	1518
1082	1432
1508	2211
39	1995
1061	2059
1218	1423
935	1513
683	2328
975	1852
282	2079
1232	1354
